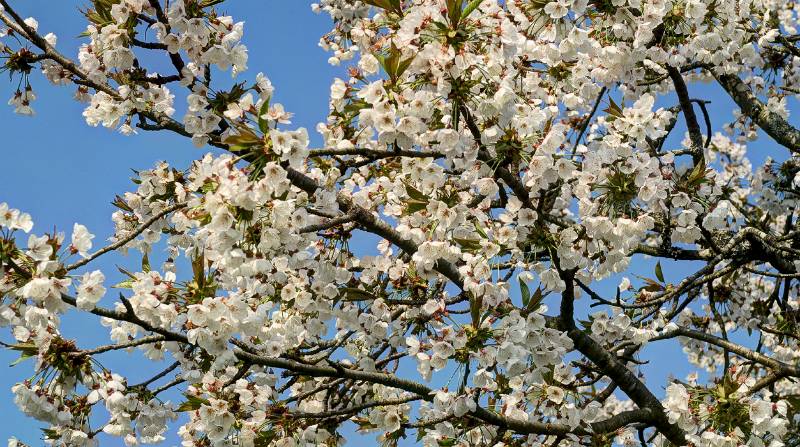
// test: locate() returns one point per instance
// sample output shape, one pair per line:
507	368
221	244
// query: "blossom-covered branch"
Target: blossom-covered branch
483	165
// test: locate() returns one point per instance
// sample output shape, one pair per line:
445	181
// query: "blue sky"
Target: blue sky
61	171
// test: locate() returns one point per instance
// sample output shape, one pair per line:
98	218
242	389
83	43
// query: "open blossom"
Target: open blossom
369	64
90	289
81	240
557	9
276	113
237	109
21	101
555	394
15	219
677	403
40	289
39	247
624	285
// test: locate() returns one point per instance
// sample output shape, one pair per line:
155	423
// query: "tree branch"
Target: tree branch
121	243
772	123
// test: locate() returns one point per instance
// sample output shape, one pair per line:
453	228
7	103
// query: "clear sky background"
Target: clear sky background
62	171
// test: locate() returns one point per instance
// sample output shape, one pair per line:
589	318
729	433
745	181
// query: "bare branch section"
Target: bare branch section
125	240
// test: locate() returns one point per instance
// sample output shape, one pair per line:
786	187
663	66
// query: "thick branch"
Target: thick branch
772	123
695	135
612	367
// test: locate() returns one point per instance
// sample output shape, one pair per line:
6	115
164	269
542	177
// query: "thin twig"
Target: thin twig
126	239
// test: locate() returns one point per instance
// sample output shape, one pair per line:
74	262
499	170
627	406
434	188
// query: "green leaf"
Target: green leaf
383	60
659	272
355	106
468	244
127	284
392	63
145	263
416	194
357	294
536	299
385	4
126	273
264	438
24	356
26	350
403	65
526	292
613	109
192	403
413	206
363	424
50	433
652	285
24	347
475	304
418	202
454	12
243	139
440	25
698	174
389	5
794	401
198	265
120	203
454	113
263	126
480	230
471	6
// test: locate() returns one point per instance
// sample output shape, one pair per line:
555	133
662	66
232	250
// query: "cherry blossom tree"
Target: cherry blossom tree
507	155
